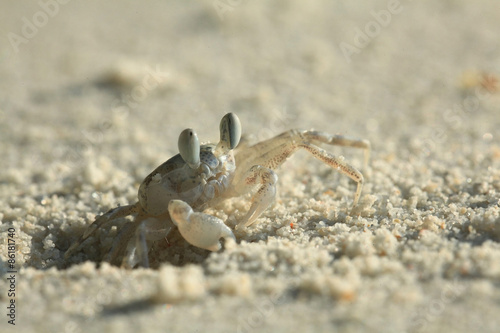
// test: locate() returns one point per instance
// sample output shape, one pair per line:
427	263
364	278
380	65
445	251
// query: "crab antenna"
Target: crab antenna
230	132
189	148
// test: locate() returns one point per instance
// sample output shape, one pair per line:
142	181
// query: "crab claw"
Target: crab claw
198	229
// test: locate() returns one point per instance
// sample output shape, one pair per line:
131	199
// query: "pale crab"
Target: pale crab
200	176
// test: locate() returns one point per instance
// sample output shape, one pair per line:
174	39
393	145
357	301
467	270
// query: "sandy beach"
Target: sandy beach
93	96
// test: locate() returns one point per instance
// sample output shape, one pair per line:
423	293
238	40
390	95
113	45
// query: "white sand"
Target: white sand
422	257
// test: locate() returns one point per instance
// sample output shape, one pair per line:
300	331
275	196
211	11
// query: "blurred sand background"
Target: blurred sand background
94	94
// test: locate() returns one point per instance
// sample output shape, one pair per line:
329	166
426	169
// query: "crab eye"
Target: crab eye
230	131
189	148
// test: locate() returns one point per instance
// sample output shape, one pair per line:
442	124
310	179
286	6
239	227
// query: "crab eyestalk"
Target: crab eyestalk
230	133
189	148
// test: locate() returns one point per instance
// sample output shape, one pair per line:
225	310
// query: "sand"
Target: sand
93	96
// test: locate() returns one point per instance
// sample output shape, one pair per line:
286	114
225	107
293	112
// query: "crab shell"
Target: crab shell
175	179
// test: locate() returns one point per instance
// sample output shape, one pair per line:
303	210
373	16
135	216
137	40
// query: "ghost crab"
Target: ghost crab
178	190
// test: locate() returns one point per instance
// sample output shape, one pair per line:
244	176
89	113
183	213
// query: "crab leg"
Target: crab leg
109	216
151	229
120	242
339	165
263	197
339	140
274	152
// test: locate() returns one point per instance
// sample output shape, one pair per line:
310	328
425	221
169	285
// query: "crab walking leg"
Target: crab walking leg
274	152
109	216
198	229
121	241
151	229
339	140
140	255
341	166
262	199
